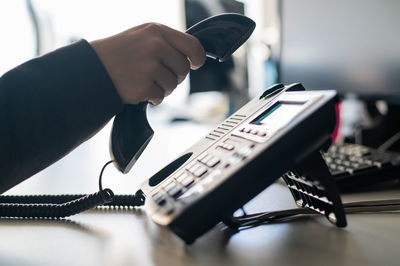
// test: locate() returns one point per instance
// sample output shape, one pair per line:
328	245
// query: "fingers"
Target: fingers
186	44
147	62
156	94
176	62
165	78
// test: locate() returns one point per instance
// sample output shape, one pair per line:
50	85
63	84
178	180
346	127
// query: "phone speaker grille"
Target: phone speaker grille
225	127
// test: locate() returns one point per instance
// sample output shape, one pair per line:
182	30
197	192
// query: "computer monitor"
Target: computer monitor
352	46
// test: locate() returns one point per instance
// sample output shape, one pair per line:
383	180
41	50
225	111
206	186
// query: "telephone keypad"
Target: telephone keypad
199	173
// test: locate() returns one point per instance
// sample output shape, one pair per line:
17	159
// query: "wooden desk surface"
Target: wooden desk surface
129	237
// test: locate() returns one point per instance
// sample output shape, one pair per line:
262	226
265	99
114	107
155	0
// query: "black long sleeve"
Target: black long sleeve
50	105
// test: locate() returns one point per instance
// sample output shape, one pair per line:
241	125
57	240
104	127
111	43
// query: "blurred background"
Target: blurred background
350	46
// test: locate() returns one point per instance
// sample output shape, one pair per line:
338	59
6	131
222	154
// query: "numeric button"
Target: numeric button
200	171
226	146
158	198
172	189
262	133
213	162
187	181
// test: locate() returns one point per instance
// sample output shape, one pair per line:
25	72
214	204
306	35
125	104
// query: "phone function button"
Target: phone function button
262	133
203	157
232	161
181	177
191	164
173	189
200	171
187	181
254	131
194	168
226	146
178	174
245	129
243	153
209	160
166	185
213	162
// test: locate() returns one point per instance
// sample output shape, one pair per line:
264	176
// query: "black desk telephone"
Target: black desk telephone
279	134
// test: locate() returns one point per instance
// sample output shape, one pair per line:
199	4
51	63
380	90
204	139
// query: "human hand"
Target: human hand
147	62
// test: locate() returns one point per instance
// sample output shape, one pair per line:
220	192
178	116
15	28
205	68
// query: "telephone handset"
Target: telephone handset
220	36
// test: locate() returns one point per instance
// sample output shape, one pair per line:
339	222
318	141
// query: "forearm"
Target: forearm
50	105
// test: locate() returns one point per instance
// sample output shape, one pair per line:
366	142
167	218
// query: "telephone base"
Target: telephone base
269	136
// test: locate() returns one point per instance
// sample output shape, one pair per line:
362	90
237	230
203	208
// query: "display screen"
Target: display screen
278	114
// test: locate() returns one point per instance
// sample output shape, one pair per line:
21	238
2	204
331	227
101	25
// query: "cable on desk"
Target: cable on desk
389	142
59	206
372	206
255	219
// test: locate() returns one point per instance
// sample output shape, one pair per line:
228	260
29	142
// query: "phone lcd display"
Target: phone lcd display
278	115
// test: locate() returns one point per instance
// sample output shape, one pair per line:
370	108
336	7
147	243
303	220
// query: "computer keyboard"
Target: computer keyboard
355	166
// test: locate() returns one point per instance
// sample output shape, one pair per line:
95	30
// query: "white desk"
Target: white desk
130	238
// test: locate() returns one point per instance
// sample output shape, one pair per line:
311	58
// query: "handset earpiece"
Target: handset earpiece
223	34
220	36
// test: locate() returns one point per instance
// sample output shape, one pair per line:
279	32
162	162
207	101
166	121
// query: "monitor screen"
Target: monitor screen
351	46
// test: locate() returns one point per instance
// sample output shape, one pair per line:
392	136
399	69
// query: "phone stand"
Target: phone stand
313	187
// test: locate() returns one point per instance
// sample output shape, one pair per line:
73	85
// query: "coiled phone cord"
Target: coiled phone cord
60	206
